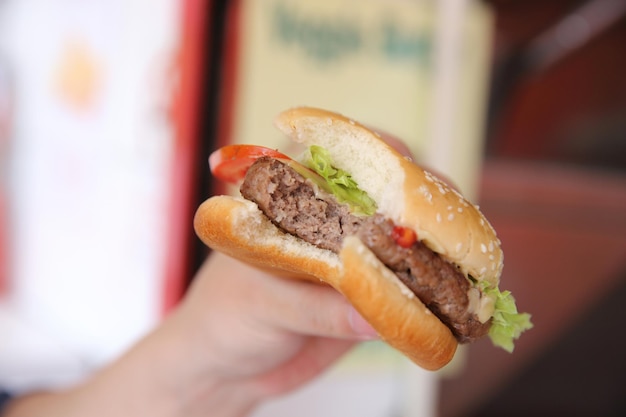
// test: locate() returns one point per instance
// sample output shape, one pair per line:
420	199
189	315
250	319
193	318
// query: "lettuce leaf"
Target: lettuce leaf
507	324
340	183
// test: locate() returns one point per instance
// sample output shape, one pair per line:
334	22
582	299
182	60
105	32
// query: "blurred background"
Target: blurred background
109	110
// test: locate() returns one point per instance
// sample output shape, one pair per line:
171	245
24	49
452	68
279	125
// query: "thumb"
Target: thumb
362	329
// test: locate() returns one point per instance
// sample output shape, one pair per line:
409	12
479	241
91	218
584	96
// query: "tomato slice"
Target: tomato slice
404	236
231	162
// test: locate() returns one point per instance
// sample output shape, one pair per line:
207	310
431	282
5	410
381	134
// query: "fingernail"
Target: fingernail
361	327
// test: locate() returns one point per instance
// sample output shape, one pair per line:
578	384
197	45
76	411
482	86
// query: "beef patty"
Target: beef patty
299	207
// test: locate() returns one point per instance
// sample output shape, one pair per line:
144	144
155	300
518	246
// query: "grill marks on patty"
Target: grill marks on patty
300	208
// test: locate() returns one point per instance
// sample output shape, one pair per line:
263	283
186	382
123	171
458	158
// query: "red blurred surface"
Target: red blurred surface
563	232
554	187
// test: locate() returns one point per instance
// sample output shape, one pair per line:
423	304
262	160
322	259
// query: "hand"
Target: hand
268	335
239	337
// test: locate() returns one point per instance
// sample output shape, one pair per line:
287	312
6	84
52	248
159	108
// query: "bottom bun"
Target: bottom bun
237	228
400	318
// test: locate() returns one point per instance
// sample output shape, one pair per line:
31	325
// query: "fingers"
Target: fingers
316	310
279	304
360	326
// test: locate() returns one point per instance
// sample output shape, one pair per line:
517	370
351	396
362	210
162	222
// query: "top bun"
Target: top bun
442	218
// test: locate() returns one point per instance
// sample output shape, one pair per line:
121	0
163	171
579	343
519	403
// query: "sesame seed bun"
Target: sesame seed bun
407	194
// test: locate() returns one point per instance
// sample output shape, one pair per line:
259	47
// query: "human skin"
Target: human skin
238	338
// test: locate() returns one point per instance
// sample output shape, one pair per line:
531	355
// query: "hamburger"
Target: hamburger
417	260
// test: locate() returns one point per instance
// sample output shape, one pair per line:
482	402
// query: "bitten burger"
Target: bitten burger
413	256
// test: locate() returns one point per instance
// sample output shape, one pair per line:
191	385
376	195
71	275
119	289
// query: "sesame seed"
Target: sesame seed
459	246
491	246
451	216
483	248
460	209
438	218
426	193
